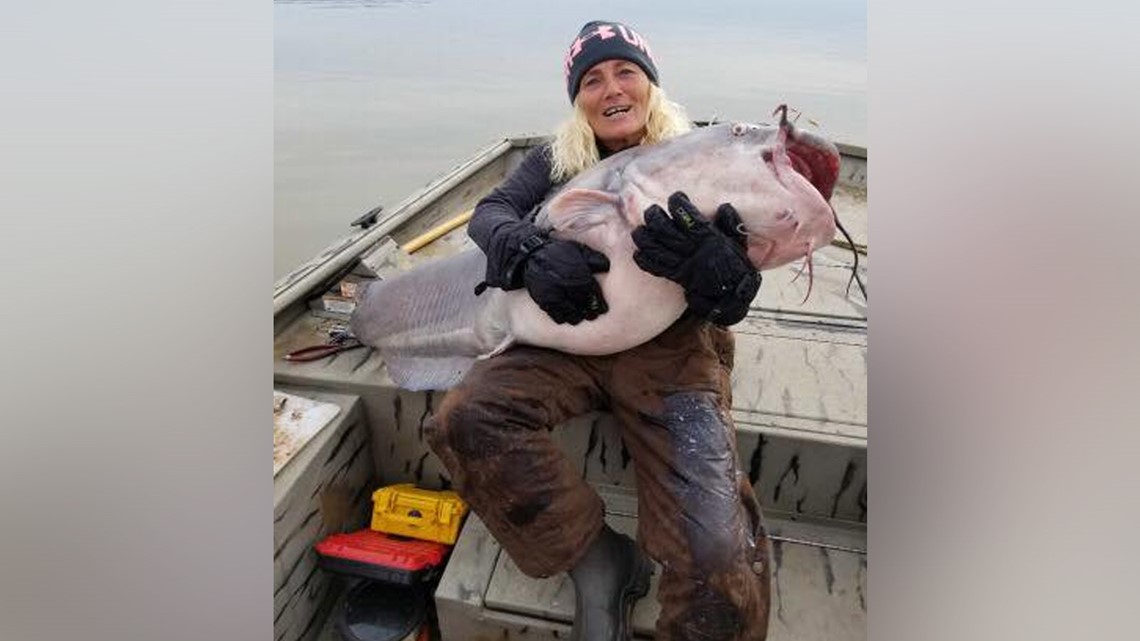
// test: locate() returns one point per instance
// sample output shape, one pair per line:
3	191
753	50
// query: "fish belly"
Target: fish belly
641	306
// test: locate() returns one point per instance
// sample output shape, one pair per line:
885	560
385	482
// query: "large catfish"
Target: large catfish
430	327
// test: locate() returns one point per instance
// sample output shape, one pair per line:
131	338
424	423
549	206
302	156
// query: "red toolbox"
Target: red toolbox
383	557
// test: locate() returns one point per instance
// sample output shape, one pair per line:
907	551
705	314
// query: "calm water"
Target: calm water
374	98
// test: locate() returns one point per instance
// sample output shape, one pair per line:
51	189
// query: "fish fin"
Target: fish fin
576	210
419	373
507	342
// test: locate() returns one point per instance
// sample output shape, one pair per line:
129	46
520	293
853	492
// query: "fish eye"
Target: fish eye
739	129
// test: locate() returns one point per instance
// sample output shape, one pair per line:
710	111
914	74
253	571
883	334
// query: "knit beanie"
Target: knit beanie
601	40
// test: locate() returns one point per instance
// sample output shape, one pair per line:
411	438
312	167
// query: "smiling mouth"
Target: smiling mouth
612	111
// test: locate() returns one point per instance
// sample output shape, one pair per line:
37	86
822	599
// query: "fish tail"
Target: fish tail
428	324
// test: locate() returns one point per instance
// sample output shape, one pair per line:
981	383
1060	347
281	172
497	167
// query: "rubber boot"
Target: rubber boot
608	580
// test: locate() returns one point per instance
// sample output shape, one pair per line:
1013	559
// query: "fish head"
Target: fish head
779	180
784	205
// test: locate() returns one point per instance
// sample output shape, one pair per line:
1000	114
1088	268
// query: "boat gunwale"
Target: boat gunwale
294	285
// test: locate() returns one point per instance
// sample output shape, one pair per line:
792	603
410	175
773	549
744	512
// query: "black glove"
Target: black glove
558	274
707	260
507	252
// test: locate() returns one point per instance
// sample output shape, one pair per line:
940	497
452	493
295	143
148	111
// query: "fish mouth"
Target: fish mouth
615	110
810	155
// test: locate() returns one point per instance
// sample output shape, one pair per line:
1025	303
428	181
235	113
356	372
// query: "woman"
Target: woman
698	516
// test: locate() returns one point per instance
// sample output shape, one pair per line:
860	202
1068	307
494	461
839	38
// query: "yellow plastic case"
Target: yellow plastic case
407	510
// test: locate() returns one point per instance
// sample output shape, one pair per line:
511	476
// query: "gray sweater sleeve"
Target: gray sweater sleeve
506	208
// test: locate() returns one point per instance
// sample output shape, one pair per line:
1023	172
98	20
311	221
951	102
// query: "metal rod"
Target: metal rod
774	537
829	546
858	247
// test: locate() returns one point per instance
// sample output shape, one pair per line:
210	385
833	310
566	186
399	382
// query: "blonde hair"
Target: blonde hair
575	149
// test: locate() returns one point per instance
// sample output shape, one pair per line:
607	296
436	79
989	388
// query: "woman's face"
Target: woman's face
614	94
